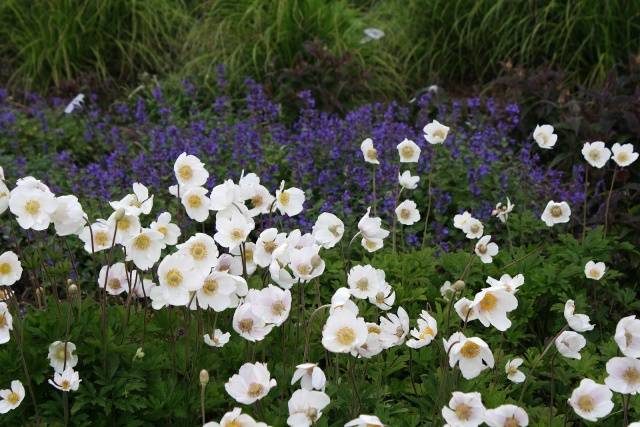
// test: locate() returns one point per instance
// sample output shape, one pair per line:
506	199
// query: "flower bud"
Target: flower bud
119	214
458	285
316	261
204	377
139	353
72	289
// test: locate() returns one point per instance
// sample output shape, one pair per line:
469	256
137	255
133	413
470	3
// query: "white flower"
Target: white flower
385	297
447	290
435	132
513	373
235	418
407	212
577	322
268	241
224	195
556	213
137	203
219	338
394	328
68	218
407	181
570	343
196	203
67	380
306	264
289	202
142	288
251	383
305	407
272	304
372	232
502	211
126	226
623	154
4	196
596	154
364	281
372	345
365	421
486	249
310	375
6	323
594	270
98	236
217	291
465	309
177	278
343	332
544	136
471	354
473	228
144	249
506	416
508	283
260	200
424	332
464	410
369	152
248	324
408	151
169	230
492	305
32	206
59	359
624	375
232	231
202	249
10	268
117	280
328	230
591	400
341	300
461	220
11	398
190	171
372	34
75	104
627	336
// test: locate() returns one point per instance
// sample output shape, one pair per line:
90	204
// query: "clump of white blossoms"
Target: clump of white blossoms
252	382
545	137
556	213
596	153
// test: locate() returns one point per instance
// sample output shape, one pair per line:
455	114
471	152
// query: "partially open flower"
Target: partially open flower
594	270
623	154
408	151
596	153
544	136
591	400
570	343
369	152
407	213
251	383
435	132
513	373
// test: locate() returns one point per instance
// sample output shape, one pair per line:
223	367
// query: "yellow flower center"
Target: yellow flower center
234	423
65	385
623	157
372	154
374	329
405	213
407	151
164	230
210	286
5	268
256	201
380	298
173	277
101	238
346	335
269	246
60	354
248	255
474	228
123	224
511	422
628	338
255	389
369	244
464	411
142	242
631	376
194	201
439	133
245	325
335	230
362	284
399	331
237	234
482	248
185	172
594	154
594	273
277	308
556	211
586	403
512	370
427	331
304	269
114	283
3	320
470	350
32	207
198	251
488	302
13	398
284	198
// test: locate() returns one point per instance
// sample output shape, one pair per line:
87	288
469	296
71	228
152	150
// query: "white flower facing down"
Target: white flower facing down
10	268
513	373
425	331
627	336
369	152
365	421
471	354
68	218
407	181
310	375
217	339
544	136
224	195
343	332
569	344
372	232
59	359
556	213
624	375
596	154
252	382
577	322
464	410
506	416
189	171
591	400
435	132
492	305
6	323
11	398
623	154
407	212
67	380
408	151
594	270
235	418
486	249
305	407
328	230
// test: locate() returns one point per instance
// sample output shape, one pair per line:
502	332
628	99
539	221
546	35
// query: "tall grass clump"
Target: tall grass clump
55	41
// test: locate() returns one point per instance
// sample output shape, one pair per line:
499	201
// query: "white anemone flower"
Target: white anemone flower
170	231
369	152
623	154
177	278
289	202
6	323
272	303
408	151
424	332
372	232
341	300
268	241
466	310
407	181
10	268
372	34
591	400
577	322
502	211
569	344
328	230
364	281
189	171
492	305
232	231
394	328
473	228
224	195
464	410
624	375
513	373
594	270
217	339
506	416
407	212
32	206
98	236
310	375
76	104
196	203
251	383
67	380
343	332
544	136
260	201
508	283
235	418
145	248
248	324
139	202
202	249
62	355
471	354
486	249
68	218
365	421
556	213
217	291
461	220
11	398
305	407
116	278
372	345
627	336
596	154
126	226
4	196
384	298
306	264
435	132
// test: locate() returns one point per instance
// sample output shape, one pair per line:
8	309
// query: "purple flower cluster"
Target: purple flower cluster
100	153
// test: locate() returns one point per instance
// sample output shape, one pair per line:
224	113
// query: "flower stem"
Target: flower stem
584	208
606	209
426	216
